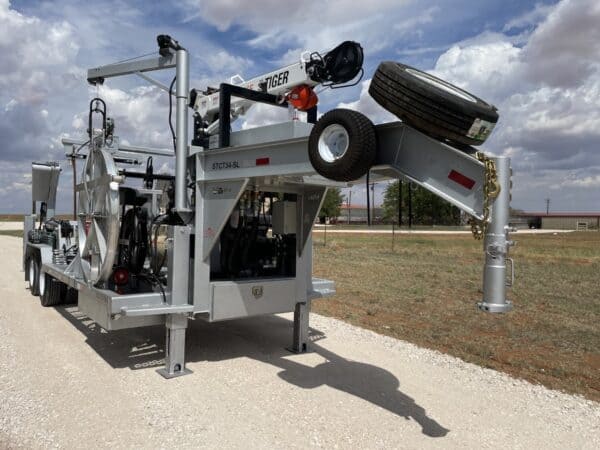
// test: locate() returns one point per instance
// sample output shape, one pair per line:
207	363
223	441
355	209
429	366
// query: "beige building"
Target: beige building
560	220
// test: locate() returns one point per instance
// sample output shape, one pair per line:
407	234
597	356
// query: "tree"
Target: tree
332	204
427	208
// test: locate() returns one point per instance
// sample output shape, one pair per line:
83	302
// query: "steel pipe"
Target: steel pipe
496	245
181	126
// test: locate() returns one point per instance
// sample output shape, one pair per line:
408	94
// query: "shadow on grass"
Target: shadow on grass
261	338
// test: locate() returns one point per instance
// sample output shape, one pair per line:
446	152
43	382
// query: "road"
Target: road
65	383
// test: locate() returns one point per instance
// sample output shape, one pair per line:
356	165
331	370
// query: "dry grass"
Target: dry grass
424	292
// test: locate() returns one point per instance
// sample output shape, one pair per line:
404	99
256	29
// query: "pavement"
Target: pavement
66	383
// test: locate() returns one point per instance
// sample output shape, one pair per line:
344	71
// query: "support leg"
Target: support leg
175	347
178	257
301	338
496	245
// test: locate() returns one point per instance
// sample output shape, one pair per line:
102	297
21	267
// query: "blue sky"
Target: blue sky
533	60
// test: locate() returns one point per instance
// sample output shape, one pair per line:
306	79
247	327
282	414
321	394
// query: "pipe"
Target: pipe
181	93
496	245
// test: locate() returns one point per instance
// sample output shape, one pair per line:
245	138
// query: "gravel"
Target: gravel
65	383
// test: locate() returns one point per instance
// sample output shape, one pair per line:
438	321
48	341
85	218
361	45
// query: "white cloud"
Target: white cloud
532	17
547	92
313	24
366	105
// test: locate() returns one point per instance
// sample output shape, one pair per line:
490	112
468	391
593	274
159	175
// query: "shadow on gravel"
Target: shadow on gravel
261	338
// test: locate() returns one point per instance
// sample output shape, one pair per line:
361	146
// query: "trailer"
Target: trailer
228	234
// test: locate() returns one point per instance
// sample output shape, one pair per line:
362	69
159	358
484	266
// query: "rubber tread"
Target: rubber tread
362	146
425	107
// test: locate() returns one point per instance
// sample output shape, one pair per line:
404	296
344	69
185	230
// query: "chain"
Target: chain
491	189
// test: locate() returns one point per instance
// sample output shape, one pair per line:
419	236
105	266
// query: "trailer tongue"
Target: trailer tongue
228	235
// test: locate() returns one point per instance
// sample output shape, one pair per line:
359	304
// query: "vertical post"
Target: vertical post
178	287
373	201
74	164
349	204
181	93
496	244
368	202
410	216
302	309
399	203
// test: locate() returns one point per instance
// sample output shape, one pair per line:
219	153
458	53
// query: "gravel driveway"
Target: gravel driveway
66	383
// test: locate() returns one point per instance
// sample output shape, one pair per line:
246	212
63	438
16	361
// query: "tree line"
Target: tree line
426	208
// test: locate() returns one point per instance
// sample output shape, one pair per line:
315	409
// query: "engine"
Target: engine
259	239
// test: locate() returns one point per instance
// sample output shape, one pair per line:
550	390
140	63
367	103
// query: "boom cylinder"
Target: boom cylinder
496	245
181	94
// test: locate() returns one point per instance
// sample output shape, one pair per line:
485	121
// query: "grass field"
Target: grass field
424	292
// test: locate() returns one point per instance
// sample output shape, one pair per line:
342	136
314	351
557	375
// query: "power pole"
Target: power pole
399	203
368	202
410	217
547	206
373	200
349	204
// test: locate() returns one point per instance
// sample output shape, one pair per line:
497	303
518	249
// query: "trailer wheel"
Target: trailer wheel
432	105
342	145
33	268
52	291
71	296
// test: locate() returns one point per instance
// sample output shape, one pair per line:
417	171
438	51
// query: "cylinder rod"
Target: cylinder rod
496	245
181	93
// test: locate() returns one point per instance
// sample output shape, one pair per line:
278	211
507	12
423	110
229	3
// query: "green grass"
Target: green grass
425	289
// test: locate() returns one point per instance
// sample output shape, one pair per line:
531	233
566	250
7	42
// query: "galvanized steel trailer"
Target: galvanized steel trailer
257	195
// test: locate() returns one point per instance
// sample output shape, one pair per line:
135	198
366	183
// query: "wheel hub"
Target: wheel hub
333	143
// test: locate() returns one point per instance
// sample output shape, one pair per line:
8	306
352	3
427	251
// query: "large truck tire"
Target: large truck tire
432	105
71	296
52	291
33	268
342	145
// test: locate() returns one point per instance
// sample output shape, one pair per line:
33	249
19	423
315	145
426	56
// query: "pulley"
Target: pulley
98	216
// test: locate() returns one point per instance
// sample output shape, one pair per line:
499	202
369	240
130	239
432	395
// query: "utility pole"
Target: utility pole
349	204
368	201
410	217
547	206
373	200
399	203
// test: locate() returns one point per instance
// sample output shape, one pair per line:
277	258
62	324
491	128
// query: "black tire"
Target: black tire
357	155
432	105
53	291
33	266
71	296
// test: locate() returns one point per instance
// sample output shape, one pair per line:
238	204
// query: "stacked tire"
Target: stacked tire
432	105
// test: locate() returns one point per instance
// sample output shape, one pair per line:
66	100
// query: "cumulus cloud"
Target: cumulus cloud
366	105
313	24
547	92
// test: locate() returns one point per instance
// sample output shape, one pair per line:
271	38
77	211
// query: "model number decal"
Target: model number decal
226	165
277	80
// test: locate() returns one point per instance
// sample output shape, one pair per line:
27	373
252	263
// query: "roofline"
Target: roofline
557	214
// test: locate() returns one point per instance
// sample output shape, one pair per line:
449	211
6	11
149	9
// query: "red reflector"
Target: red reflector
262	161
461	179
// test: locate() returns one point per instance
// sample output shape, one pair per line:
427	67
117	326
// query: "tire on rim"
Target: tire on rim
33	268
432	105
52	291
342	145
